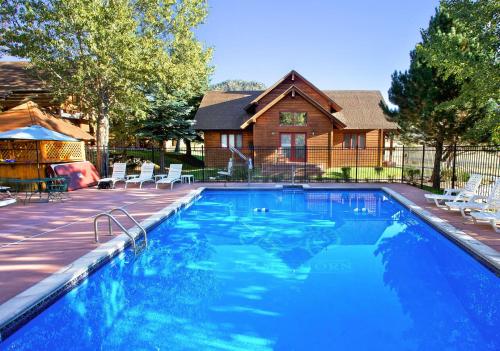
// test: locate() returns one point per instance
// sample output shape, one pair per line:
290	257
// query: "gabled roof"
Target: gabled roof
226	110
294	74
361	109
293	90
221	110
29	114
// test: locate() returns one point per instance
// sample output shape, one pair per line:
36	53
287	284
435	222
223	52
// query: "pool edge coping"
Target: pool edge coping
23	307
488	256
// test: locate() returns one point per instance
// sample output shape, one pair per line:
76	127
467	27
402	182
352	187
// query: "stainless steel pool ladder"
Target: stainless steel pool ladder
137	248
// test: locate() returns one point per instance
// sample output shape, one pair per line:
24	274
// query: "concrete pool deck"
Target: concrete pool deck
39	239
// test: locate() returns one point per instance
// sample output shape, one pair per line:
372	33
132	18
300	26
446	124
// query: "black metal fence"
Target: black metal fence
313	164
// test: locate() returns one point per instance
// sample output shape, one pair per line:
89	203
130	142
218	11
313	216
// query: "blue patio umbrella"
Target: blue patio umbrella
36	133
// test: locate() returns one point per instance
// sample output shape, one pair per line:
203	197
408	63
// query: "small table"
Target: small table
187	178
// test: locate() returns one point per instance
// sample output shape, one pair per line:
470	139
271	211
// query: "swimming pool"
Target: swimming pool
321	270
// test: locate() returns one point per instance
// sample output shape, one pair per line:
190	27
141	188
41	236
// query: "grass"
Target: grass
369	173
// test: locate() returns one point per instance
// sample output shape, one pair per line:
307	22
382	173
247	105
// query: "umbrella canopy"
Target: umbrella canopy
29	114
35	133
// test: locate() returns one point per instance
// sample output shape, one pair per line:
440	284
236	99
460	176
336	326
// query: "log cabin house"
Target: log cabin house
295	122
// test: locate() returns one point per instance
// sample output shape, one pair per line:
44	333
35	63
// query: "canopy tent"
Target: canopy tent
29	114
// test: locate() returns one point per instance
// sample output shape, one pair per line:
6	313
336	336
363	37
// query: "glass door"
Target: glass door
293	146
286	145
299	147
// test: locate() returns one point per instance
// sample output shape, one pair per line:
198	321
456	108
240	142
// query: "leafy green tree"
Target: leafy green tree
171	118
237	85
425	113
468	52
108	54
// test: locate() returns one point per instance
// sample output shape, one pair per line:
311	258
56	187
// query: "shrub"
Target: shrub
446	174
378	170
346	173
412	174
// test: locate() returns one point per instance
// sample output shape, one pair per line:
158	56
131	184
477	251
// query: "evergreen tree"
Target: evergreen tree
424	98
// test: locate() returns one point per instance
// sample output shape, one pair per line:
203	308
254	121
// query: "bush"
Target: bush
378	170
346	173
412	174
446	174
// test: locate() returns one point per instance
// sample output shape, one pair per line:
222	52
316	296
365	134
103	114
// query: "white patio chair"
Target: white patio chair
458	194
492	217
174	175
118	175
227	173
146	175
478	202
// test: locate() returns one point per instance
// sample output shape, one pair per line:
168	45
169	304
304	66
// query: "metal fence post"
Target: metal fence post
422	171
454	171
357	149
403	166
305	164
203	161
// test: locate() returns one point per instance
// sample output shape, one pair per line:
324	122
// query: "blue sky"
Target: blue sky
335	44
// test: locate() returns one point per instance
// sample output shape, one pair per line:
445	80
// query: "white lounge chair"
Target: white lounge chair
492	217
118	175
174	175
458	194
146	175
6	202
478	202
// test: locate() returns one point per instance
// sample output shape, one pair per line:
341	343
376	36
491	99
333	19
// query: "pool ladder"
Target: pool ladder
138	248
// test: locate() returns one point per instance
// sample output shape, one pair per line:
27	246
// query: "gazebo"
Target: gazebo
18	158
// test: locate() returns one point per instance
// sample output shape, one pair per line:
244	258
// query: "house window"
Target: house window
351	141
233	139
293	118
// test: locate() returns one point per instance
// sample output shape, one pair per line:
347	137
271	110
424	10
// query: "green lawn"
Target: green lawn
370	173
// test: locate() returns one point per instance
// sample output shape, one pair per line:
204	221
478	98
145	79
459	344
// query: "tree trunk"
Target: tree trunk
103	136
188	146
436	171
177	145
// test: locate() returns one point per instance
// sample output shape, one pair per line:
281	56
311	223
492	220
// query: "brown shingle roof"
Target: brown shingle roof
361	109
226	110
29	114
14	75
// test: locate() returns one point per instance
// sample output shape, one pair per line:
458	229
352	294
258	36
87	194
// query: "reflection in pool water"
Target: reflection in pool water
322	270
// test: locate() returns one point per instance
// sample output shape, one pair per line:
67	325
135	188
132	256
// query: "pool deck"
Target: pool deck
39	239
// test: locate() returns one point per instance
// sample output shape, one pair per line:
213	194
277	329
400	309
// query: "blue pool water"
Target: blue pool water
322	270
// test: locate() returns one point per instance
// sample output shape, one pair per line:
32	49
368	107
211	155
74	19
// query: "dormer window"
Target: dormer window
293	118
